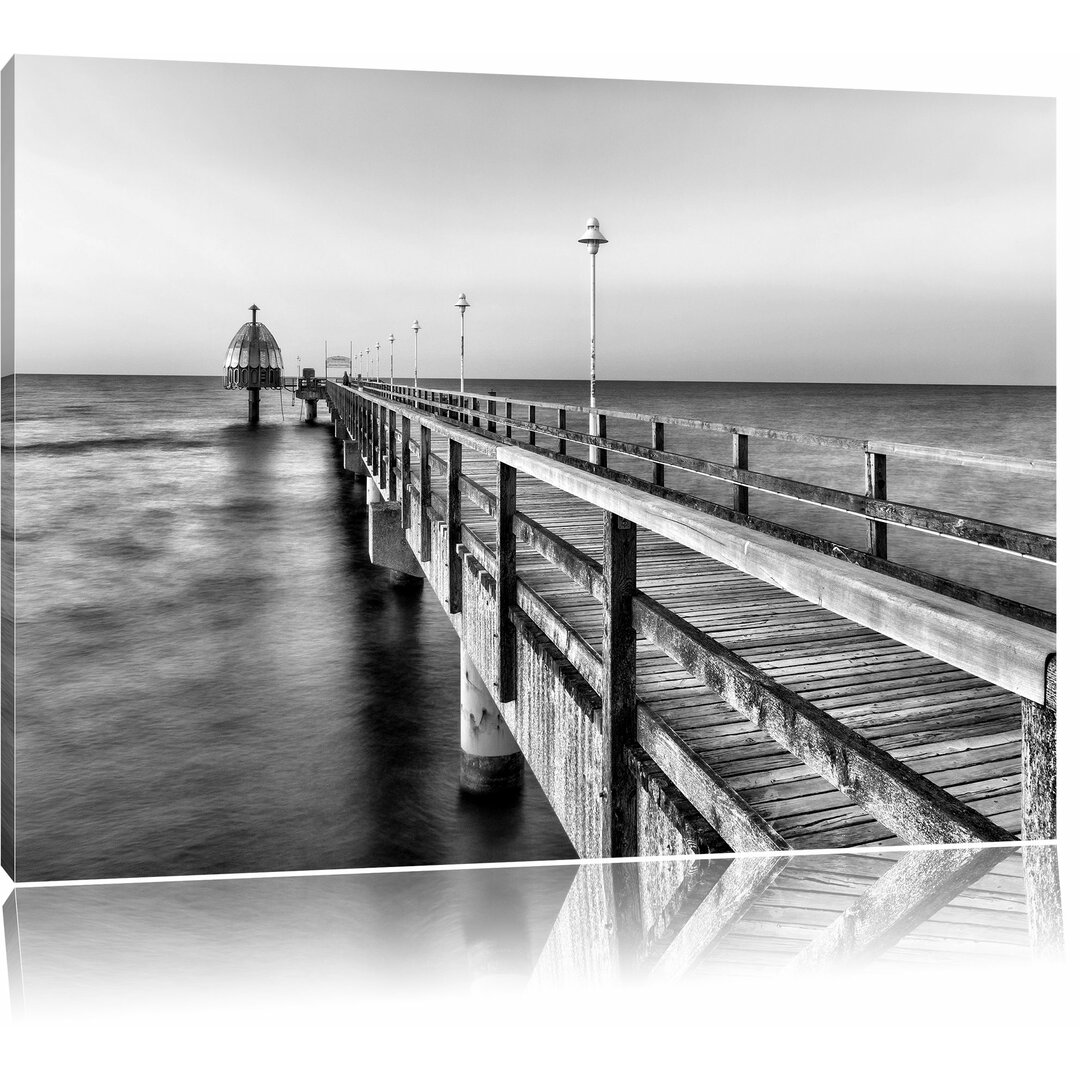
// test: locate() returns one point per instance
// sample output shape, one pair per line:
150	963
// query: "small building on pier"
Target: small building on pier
253	361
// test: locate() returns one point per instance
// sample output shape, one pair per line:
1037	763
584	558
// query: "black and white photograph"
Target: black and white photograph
533	531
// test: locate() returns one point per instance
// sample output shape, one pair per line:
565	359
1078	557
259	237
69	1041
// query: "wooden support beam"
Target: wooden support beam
453	524
506	582
903	801
877	543
382	446
740	459
619	692
509	430
1038	729
658	444
742	827
491	412
577	566
391	452
425	493
601	431
532	420
406	472
561	422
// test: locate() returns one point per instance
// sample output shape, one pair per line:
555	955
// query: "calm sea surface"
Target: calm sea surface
213	678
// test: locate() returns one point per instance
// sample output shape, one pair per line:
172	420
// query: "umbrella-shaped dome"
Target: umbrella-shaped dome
253	358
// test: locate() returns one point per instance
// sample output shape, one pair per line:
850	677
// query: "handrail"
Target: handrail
1001	462
877	511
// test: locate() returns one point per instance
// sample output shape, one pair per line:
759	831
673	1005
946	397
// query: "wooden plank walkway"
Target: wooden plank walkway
958	731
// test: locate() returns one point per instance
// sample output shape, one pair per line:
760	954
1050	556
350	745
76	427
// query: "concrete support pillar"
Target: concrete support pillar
308	411
253	404
491	763
354	463
374	495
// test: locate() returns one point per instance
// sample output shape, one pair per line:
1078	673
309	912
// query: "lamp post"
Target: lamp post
593	238
416	357
461	305
368	352
391	340
378	345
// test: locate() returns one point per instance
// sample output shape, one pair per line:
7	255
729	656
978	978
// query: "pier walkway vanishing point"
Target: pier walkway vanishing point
685	677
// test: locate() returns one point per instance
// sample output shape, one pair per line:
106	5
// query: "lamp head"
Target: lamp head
592	236
462	303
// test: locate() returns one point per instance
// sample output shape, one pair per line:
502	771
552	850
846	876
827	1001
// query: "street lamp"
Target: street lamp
368	351
416	357
593	238
461	305
377	347
391	340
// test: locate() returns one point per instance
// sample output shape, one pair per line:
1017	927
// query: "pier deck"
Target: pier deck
754	691
959	731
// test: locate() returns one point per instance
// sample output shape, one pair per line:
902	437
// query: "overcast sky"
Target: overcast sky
755	233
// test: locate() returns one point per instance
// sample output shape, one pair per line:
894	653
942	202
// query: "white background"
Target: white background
922	1028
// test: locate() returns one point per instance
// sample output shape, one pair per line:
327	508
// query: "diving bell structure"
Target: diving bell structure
252	362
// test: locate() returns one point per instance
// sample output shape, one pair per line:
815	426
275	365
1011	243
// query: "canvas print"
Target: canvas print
426	469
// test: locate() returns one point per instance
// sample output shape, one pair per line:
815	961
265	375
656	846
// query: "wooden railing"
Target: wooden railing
497	415
1010	654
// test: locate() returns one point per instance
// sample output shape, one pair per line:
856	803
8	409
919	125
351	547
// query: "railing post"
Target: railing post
506	582
476	412
491	412
406	473
562	427
532	420
509	416
740	459
601	430
391	452
658	444
453	524
425	493
1038	763
619	786
876	488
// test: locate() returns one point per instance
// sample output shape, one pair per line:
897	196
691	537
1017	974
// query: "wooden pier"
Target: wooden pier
684	675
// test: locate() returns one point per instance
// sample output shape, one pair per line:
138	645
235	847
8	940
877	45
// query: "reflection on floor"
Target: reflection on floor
205	943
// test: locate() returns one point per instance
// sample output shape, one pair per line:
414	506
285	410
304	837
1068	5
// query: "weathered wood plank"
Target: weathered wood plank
897	796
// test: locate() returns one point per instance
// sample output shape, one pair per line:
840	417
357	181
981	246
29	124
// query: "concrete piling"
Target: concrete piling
491	763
